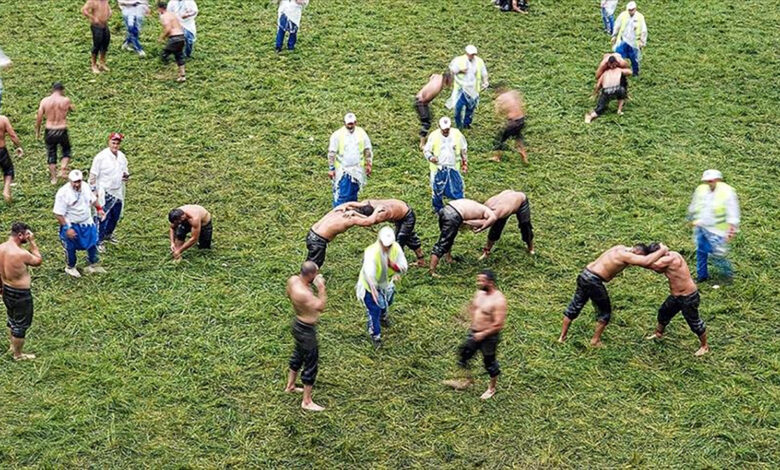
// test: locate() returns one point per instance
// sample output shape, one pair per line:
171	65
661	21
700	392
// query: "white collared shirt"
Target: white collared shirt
352	154
292	10
108	170
447	156
74	205
185	7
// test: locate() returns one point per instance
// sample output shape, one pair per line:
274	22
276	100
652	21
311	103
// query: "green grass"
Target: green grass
159	365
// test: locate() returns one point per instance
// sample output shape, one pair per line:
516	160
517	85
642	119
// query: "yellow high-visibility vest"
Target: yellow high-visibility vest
721	196
462	62
436	140
622	22
375	251
361	136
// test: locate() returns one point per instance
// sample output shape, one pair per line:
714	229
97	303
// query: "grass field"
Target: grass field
163	365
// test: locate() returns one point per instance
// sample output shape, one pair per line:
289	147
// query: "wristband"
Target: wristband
99	208
67	226
332	168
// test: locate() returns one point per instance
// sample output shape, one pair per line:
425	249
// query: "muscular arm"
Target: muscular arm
367	221
625	70
33	257
9	129
38	121
598	84
171	235
662	263
194	236
489	218
86	10
644	261
317	303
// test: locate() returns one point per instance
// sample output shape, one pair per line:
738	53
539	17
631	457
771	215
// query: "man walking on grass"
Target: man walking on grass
72	208
488	311
98	12
6	164
629	36
308	308
590	283
133	12
470	77
55	108
446	147
683	296
108	174
174	32
15	278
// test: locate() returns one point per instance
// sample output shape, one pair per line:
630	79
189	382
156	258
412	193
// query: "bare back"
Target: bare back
333	223
5	128
674	267
196	213
13	265
485	309
610	263
303	300
171	24
393	209
506	203
510	105
471	210
56	107
611	78
431	89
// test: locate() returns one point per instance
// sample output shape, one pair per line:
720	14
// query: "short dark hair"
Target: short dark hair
448	76
162	4
612	60
57	86
308	268
649	248
19	228
490	275
175	215
366	209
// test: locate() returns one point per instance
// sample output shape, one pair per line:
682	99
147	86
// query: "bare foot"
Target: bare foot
103	67
421	263
588	118
561	339
484	256
24	357
654	336
702	351
95	69
7	198
184	79
293	389
488	393
435	275
596	344
449	259
311	406
458	384
495	158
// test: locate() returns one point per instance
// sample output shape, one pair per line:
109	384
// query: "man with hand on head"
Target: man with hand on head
108	174
383	263
72	208
185	219
308	308
444	148
16	285
350	160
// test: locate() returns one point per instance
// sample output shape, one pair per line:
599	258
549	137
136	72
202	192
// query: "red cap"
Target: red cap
116	136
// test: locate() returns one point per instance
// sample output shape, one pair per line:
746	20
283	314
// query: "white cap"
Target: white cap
710	175
471	49
444	123
350	118
75	175
631	6
386	236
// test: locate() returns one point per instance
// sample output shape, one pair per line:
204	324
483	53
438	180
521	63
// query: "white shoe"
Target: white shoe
113	239
94	269
73	272
101	248
126	46
141	54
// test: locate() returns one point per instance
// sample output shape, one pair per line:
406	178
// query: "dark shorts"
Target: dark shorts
175	47
404	232
450	221
204	239
424	113
306	352
19	304
53	138
513	129
523	215
101	37
607	95
689	305
590	286
488	347
317	246
6	164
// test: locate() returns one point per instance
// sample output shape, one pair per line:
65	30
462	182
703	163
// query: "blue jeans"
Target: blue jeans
609	21
708	243
446	183
113	210
286	26
133	24
346	190
377	311
628	52
86	239
189	43
467	103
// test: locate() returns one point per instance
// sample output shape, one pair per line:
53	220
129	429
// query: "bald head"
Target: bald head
309	270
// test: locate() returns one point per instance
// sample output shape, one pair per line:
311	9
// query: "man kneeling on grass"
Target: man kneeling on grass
488	314
190	218
683	295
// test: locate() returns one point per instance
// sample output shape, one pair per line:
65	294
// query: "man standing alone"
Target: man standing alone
98	12
174	32
470	76
444	148
16	284
629	35
55	108
289	20
350	160
714	213
108	174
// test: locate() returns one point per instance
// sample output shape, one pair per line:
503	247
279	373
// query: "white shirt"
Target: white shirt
609	5
134	7
292	10
351	156
369	269
707	215
185	7
468	80
74	205
446	155
108	170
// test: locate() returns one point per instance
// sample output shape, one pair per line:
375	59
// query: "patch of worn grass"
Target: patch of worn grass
167	366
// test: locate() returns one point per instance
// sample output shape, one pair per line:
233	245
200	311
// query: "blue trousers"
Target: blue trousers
86	239
377	311
113	210
446	183
346	190
133	26
189	43
286	26
609	21
465	106
628	52
709	244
